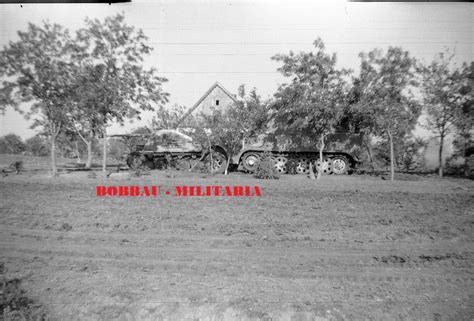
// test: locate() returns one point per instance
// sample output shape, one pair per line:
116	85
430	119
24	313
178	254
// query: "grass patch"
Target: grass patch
15	304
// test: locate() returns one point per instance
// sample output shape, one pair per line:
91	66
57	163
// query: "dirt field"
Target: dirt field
344	248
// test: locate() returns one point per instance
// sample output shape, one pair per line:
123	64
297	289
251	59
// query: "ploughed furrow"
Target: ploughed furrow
146	278
85	263
305	256
305	261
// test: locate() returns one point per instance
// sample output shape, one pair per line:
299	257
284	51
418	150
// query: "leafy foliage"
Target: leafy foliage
113	84
15	303
17	166
464	117
440	93
169	118
250	113
82	83
11	144
38	69
138	167
386	103
117	148
441	88
231	127
37	145
409	152
112	55
291	166
313	103
266	167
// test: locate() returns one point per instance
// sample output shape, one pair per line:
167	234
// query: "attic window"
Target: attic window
217	102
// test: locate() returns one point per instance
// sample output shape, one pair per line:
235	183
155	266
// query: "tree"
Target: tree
230	128
386	101
68	144
249	113
355	116
117	85
442	99
85	119
11	144
409	151
169	118
37	69
313	103
37	145
219	128
464	116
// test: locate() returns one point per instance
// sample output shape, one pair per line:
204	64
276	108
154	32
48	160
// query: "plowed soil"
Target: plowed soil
342	248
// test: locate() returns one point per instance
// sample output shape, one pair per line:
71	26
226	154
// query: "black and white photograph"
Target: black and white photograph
236	160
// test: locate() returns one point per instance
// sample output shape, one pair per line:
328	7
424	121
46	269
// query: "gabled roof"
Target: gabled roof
196	105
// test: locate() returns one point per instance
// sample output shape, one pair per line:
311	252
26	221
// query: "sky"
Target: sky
197	43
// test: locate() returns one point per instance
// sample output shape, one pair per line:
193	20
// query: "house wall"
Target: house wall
207	105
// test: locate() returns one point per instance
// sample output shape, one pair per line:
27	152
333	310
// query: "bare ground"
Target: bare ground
343	248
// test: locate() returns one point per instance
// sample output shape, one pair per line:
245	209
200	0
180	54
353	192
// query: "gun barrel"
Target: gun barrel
130	135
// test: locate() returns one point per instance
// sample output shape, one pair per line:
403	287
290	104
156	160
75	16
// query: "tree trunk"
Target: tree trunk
311	171
54	167
368	146
78	154
467	169
321	147
392	156
89	154
104	152
88	143
210	154
440	154
226	172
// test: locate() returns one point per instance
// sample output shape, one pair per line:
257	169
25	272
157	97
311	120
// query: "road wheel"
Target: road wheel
326	166
279	162
216	161
250	161
148	163
340	165
302	166
183	164
130	160
134	161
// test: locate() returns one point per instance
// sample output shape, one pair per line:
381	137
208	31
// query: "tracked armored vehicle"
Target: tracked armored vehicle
289	154
168	147
294	154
